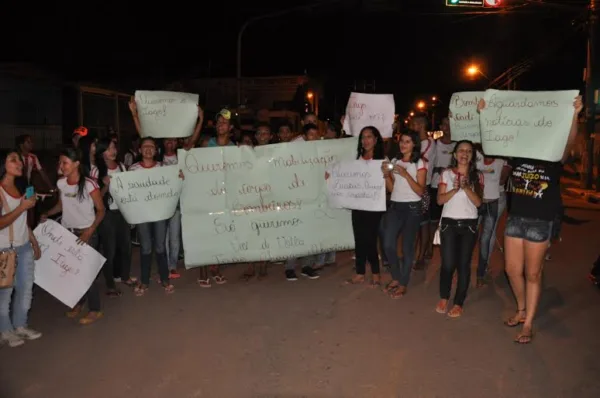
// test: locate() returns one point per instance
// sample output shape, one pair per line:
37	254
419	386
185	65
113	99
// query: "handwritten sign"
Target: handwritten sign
147	195
358	185
263	204
66	270
370	110
464	123
167	114
528	124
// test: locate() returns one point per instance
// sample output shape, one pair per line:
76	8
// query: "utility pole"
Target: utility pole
590	92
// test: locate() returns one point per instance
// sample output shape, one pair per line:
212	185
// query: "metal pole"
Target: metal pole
589	91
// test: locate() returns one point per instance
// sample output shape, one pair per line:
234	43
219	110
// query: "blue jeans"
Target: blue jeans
325	258
173	239
402	218
307	261
20	303
489	220
153	234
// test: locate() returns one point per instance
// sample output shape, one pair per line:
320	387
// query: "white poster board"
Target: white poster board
370	110
527	124
269	203
464	119
66	270
166	114
147	195
357	185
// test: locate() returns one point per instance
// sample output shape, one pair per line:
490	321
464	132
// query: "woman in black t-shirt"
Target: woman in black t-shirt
535	203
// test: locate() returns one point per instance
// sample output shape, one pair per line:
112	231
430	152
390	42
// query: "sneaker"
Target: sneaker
117	280
309	273
27	334
173	274
11	339
290	275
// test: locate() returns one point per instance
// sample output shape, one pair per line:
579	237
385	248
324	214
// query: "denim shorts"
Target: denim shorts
529	229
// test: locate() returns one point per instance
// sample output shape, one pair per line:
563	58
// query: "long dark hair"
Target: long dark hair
473	173
20	183
76	155
415	155
378	151
85	144
101	147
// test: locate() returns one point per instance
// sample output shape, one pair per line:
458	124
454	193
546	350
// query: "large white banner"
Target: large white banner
66	270
167	114
147	195
364	110
464	119
527	124
357	184
261	204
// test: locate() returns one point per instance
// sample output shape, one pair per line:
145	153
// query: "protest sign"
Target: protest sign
147	195
357	184
527	124
262	204
464	119
166	114
66	270
376	110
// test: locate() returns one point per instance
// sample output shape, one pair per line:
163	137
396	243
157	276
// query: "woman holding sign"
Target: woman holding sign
15	234
82	212
405	178
535	203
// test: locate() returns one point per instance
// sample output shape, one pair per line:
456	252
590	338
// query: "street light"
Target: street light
310	95
421	105
434	98
412	114
474	70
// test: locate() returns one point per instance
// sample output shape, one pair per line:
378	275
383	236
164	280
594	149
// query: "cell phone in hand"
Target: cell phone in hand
29	192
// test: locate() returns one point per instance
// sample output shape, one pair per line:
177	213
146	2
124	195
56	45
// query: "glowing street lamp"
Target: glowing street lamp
473	70
421	105
310	95
412	114
434	98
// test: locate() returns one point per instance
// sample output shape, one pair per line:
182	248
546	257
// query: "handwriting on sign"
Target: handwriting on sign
297	182
65	257
288	242
219	189
157	107
299	160
222	227
458	101
356	110
265	207
499	103
259	226
504	139
193	166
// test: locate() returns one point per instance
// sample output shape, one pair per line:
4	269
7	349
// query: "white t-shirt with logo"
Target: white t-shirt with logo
428	155
402	191
77	213
443	157
94	173
460	206
491	175
20	230
140	166
169	160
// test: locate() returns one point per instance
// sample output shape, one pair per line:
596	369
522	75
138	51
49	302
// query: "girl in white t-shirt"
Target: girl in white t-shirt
406	182
460	191
16	300
152	235
114	231
82	212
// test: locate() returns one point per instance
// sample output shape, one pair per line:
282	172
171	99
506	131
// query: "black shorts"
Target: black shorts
435	210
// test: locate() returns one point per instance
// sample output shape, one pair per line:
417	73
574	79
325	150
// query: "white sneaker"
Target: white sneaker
27	334
11	339
117	280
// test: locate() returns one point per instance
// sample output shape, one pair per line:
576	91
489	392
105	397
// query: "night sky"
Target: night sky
413	48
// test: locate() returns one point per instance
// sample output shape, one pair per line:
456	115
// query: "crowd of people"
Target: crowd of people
439	191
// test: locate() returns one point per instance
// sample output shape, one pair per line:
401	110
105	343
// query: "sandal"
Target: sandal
91	317
131	282
391	286
442	306
74	313
524	338
375	284
456	311
355	280
219	279
140	290
515	320
113	293
169	288
397	293
204	282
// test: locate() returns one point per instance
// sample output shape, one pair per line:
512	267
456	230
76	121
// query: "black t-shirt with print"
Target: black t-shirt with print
535	188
